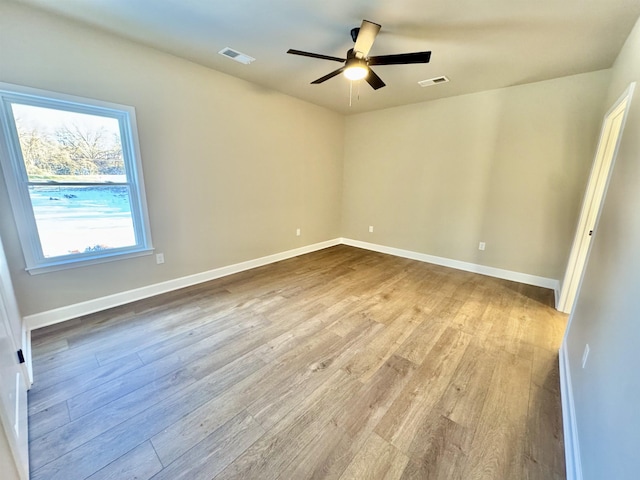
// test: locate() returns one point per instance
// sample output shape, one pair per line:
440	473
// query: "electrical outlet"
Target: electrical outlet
585	355
370	228
159	258
297	232
481	246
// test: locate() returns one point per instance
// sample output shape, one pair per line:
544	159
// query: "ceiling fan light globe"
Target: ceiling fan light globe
357	72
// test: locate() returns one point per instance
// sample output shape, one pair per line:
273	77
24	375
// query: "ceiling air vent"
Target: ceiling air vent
433	81
236	55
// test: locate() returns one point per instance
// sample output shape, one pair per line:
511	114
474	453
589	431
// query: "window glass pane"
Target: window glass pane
74	220
74	178
63	146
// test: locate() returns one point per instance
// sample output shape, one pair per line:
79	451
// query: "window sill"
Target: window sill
67	264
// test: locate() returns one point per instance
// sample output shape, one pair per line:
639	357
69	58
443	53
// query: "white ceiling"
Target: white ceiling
478	44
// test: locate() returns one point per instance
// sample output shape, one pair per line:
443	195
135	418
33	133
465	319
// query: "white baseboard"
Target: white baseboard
58	315
69	312
570	428
61	314
550	283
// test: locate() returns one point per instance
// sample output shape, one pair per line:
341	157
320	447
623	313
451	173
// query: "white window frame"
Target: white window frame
17	181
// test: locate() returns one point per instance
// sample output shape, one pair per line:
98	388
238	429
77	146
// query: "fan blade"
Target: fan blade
366	36
374	80
400	59
314	55
328	76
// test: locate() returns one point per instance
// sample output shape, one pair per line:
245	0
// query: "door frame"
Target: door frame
599	178
18	329
14	426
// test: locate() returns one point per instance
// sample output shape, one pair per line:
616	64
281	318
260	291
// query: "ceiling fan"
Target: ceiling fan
357	64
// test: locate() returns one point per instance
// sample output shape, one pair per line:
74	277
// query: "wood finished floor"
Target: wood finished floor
340	364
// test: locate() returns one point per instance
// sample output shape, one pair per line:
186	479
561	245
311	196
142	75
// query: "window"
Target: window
73	172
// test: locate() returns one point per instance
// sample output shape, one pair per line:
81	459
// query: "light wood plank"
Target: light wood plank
50	394
48	419
273	452
110	437
377	460
544	437
404	418
353	425
214	453
276	401
141	463
342	363
442	456
496	451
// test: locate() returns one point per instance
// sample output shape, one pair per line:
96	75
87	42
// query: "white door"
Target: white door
610	135
14	447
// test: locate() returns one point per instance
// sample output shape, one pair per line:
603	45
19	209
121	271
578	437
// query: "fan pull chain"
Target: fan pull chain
358	82
350	91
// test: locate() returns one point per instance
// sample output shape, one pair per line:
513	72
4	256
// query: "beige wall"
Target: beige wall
231	170
507	167
607	312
